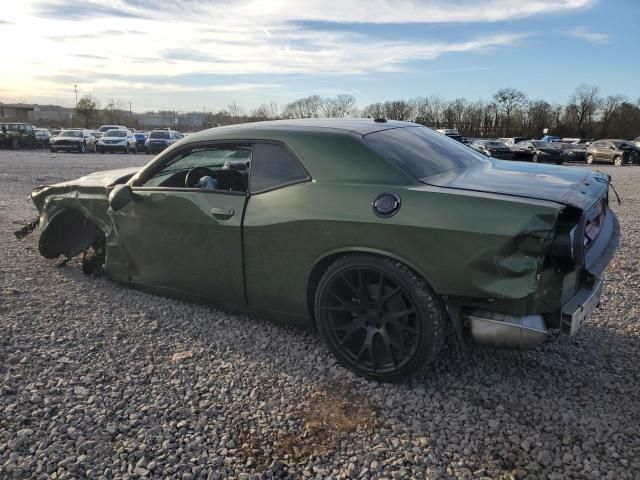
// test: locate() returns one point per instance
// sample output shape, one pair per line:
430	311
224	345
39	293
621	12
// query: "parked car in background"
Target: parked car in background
160	139
578	141
492	148
425	235
551	138
17	135
576	152
43	136
73	140
118	140
538	151
102	129
618	152
141	138
451	133
511	141
55	131
637	141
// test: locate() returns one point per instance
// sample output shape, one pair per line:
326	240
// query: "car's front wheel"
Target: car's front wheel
379	318
82	148
617	161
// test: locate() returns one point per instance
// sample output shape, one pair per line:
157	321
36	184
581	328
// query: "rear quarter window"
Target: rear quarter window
274	166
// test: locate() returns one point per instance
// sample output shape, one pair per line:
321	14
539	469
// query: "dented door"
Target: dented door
185	241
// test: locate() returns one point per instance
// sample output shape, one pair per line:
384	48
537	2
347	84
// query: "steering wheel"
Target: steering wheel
195	174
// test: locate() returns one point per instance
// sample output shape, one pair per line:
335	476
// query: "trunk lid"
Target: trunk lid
578	187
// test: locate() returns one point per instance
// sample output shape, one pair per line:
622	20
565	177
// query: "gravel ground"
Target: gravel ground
101	381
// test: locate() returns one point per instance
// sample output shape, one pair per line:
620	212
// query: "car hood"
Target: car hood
106	178
578	187
64	137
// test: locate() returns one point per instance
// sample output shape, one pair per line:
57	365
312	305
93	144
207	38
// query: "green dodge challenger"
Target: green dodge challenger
381	233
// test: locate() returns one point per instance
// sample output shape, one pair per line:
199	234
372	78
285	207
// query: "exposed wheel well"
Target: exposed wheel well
69	233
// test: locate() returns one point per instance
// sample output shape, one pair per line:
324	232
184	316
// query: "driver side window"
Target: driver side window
214	168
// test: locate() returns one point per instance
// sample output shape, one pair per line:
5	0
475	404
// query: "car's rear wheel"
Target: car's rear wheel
589	159
379	318
617	161
535	158
82	148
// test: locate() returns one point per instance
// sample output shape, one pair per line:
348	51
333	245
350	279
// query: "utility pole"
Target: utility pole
130	112
75	88
204	117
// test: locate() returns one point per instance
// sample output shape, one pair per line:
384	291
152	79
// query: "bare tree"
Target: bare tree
610	108
115	111
509	100
398	110
339	106
374	110
586	102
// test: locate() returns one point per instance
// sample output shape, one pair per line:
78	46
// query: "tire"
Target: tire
589	159
82	148
535	158
52	150
617	161
376	306
16	144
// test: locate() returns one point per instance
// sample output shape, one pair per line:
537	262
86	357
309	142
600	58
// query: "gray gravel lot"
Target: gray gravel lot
91	386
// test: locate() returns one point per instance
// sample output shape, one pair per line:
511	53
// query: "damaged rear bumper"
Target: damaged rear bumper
529	331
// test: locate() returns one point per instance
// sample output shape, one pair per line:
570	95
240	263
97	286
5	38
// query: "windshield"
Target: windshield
539	144
71	133
116	133
421	152
623	144
495	145
106	128
159	135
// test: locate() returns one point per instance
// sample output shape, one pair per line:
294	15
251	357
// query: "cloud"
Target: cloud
81	10
352	11
584	33
233	45
93	35
5	22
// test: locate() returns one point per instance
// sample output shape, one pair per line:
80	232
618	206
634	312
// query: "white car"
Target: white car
105	128
120	140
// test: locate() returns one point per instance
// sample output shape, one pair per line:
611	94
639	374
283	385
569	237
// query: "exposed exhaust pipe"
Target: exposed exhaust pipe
507	331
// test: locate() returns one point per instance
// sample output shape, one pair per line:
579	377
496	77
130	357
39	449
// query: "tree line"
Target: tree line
509	112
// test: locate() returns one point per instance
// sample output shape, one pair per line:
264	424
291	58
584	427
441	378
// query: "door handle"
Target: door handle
222	212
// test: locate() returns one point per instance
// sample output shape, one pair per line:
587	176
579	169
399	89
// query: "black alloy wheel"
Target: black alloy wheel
378	317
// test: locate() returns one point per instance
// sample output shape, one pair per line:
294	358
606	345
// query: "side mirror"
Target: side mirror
120	196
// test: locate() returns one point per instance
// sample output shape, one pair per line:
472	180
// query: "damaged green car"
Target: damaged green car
380	233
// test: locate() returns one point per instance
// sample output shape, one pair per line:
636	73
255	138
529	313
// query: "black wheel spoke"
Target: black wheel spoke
400	348
395	316
371	320
385	298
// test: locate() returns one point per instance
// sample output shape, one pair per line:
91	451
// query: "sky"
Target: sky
194	54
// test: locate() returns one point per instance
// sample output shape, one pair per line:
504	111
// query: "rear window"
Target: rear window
160	134
421	152
116	133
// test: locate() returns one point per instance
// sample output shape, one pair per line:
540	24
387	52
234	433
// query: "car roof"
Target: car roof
360	126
